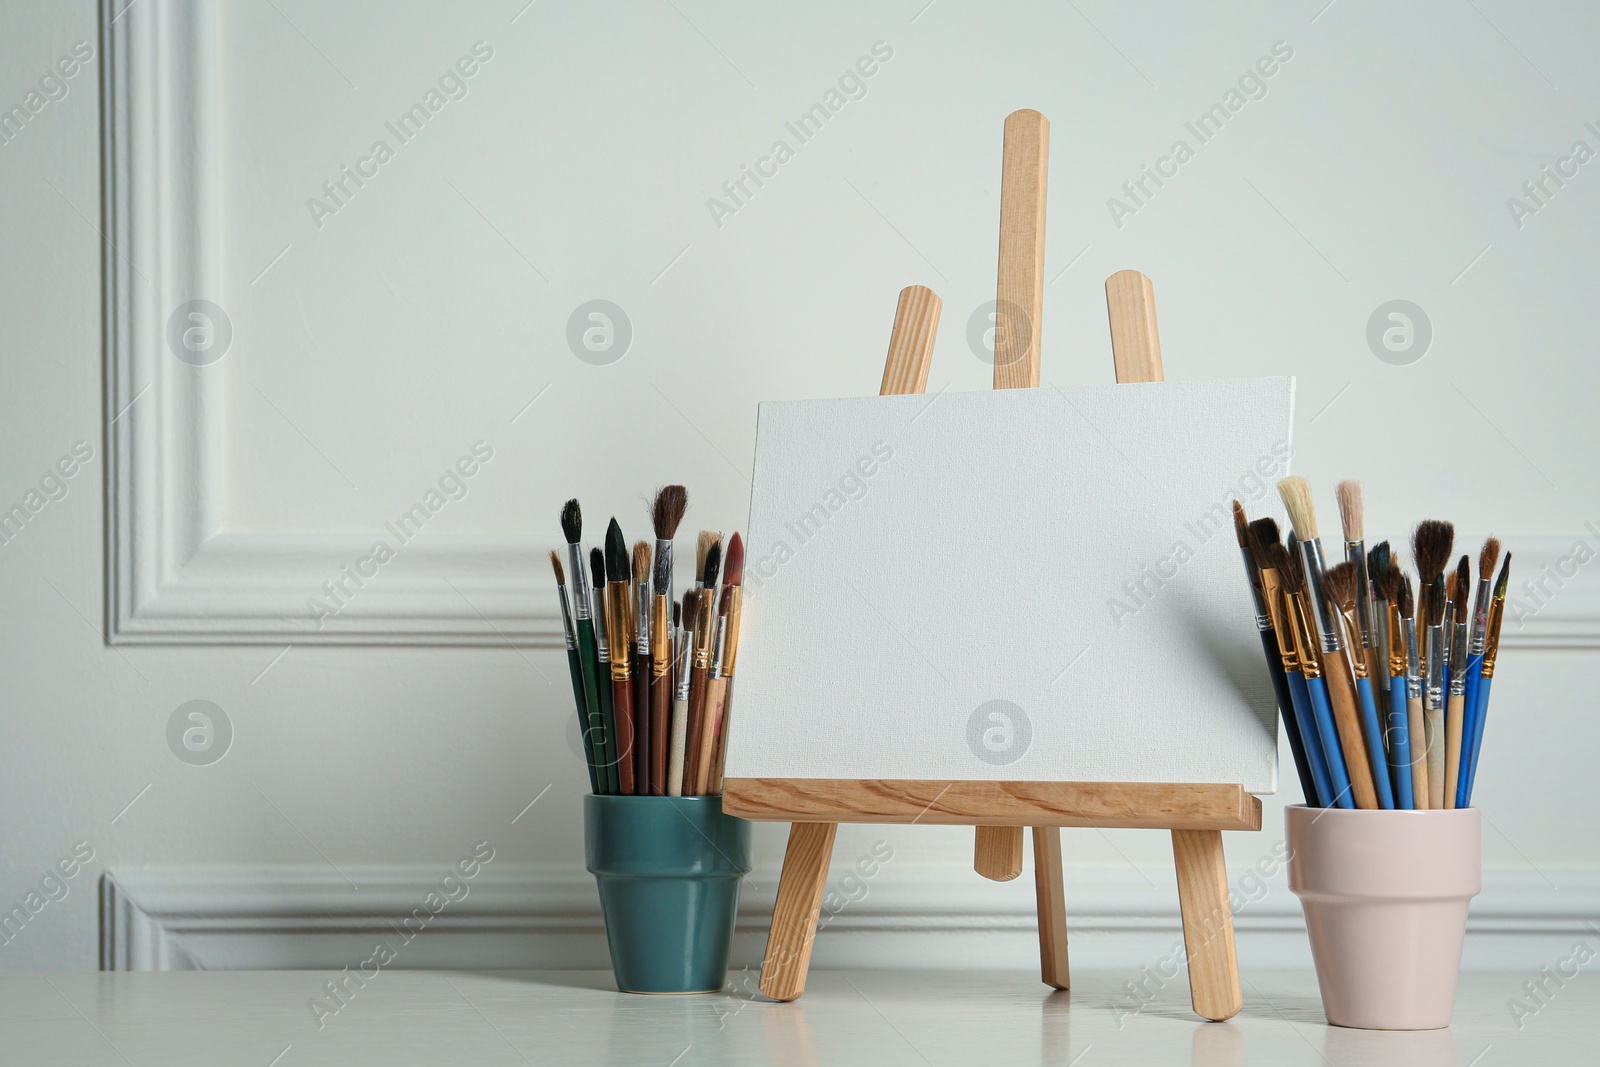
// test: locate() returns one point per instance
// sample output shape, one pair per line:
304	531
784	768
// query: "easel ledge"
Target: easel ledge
1137	805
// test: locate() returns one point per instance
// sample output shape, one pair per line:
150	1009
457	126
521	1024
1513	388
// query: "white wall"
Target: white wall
415	321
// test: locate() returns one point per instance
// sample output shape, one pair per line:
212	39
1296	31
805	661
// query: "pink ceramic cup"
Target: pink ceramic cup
1385	895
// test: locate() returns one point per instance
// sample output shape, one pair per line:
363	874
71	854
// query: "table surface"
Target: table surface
482	1019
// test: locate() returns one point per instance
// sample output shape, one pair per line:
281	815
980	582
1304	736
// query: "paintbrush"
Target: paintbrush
678	752
1433	691
1431	543
702	549
1341	685
1430	549
588	647
665	515
700	672
1351	518
575	666
1343	583
615	753
1292	570
1272	561
618	575
1456	702
716	695
733	590
1377	565
1491	652
1270	646
1416	715
643	780
1488	558
1389	621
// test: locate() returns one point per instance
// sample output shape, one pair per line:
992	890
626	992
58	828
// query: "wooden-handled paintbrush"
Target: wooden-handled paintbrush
1270	647
665	515
733	589
1488	558
716	695
1296	493
700	672
1431	543
588	647
1305	644
1342	583
1456	702
1389	622
678	750
575	667
643	780
617	573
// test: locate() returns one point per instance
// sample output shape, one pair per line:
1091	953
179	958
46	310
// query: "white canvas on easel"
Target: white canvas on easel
1022	585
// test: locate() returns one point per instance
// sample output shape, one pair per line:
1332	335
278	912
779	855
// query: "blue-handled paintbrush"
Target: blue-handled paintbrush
1487	560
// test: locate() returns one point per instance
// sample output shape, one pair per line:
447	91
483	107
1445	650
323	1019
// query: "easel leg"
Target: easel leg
1207	924
997	852
1049	886
794	917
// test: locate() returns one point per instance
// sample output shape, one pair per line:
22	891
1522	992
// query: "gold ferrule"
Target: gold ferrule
704	620
660	638
1272	594
1491	649
617	630
1397	643
1305	645
735	600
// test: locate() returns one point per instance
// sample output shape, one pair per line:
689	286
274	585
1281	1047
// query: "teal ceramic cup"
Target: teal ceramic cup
669	870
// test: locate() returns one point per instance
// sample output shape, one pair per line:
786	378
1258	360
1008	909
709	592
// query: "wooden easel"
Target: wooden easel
1195	813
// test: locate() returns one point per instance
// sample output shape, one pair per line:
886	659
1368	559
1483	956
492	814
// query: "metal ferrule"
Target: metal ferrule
735	603
1449	629
1356	552
641	618
718	645
681	659
579	567
1413	666
566	618
617	630
1458	660
660	638
1396	643
1491	649
1480	617
1263	619
1277	618
704	621
602	648
1352	651
1305	646
1327	618
1434	684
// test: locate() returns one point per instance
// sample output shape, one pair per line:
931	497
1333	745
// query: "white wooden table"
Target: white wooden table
484	1019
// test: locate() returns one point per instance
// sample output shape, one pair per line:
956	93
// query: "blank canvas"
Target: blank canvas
1024	584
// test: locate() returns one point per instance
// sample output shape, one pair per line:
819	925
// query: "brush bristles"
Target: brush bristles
1259	535
667	511
1378	560
1489	557
641	560
555	565
1463	583
1430	547
1240	524
1296	493
597	567
1389	583
661	579
733	569
1436	602
1349	495
713	564
1340	584
1294	577
617	561
703	545
677	615
1404	598
1274	557
572	521
1505	577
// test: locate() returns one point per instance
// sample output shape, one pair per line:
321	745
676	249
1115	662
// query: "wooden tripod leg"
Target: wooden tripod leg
1049	887
1207	924
997	852
794	916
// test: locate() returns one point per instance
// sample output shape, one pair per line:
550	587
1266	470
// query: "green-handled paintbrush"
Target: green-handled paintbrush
575	665
572	530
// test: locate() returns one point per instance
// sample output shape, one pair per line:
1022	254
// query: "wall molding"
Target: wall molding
177	575
531	917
